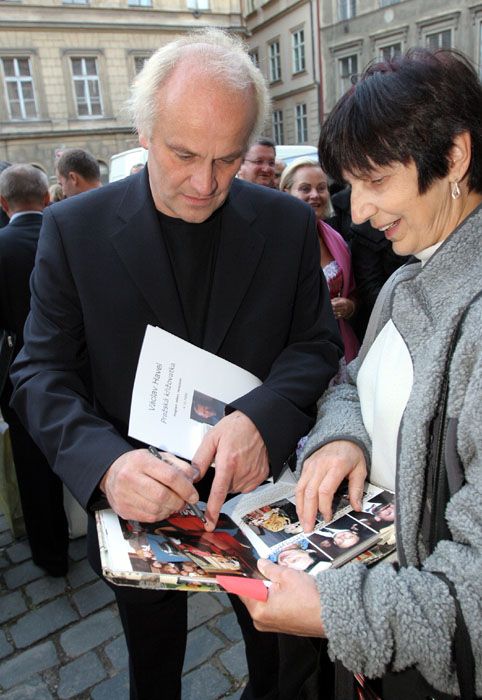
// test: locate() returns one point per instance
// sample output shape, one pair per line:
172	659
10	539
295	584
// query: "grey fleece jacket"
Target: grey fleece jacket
381	619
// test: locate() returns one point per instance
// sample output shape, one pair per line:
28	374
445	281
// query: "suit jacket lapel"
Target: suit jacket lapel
139	244
239	251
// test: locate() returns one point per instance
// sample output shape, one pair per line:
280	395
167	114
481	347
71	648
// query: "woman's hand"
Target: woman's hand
322	473
343	307
293	605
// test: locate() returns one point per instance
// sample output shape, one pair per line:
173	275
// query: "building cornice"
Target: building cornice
293	93
62	133
14	16
259	26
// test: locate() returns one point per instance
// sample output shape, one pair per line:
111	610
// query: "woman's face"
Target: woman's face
388	198
310	185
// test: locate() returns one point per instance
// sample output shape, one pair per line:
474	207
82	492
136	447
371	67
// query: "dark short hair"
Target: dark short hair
263	141
79	161
23	184
408	108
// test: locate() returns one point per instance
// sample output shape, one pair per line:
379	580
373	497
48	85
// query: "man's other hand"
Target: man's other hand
241	460
139	486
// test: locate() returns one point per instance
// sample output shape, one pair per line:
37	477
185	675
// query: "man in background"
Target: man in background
3	216
23	196
258	164
77	171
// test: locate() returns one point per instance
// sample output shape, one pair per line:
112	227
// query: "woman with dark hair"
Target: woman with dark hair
408	139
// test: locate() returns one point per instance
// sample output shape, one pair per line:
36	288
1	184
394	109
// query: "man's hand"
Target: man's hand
322	473
293	605
141	487
241	460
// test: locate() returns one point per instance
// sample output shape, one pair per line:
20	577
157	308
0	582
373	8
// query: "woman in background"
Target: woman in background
305	180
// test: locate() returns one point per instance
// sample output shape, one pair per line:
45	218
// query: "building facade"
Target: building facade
283	36
341	37
66	67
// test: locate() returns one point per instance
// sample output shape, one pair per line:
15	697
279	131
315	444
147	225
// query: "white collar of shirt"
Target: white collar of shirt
425	255
21	213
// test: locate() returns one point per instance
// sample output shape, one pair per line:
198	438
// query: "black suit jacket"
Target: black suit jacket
18	244
103	273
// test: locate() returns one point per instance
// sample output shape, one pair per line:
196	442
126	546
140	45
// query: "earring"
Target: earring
455	190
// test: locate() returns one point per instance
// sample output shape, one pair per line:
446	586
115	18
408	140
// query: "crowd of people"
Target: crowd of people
219	243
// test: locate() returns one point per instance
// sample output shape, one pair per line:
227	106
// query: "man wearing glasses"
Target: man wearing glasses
258	165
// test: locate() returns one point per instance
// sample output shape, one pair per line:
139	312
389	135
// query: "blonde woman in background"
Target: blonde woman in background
305	180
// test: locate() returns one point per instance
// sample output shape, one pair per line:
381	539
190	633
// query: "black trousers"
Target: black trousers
41	496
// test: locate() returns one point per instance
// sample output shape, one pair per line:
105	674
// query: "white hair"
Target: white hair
223	56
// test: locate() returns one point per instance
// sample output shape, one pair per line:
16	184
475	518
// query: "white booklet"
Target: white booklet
180	391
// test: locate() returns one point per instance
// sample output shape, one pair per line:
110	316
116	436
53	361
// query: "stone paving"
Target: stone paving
62	637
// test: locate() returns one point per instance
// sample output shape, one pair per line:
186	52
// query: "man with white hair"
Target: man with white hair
228	266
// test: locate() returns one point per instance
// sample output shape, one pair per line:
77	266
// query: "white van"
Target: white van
290	153
121	163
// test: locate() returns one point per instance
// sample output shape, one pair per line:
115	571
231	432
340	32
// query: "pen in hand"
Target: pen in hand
193	506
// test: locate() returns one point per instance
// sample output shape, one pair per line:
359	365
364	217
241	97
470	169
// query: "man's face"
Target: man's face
197	143
204	411
259	165
67	184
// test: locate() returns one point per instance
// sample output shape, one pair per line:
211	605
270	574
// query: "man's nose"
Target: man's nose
203	180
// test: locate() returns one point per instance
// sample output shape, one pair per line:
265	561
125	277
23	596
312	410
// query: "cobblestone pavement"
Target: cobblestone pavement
62	637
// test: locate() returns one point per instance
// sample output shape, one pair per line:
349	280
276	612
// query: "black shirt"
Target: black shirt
192	251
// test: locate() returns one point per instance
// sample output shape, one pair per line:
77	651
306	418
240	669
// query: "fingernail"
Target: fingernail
262	565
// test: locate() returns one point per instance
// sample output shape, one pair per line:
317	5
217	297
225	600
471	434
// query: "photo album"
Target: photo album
178	553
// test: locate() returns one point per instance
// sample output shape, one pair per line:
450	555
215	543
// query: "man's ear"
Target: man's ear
143	141
74	177
460	156
46	199
4	205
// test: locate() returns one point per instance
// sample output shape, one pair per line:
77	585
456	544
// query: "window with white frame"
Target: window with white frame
277	121
385	3
19	87
439	40
139	3
86	81
346	9
390	51
75	2
254	55
347	68
301	118
298	43
274	62
198	4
